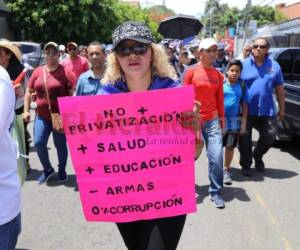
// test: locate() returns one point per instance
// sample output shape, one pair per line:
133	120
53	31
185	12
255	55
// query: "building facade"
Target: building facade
290	11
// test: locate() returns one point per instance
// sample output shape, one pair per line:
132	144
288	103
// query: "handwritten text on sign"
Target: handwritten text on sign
132	158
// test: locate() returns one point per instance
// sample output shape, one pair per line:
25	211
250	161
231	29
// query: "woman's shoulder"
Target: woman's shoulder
37	71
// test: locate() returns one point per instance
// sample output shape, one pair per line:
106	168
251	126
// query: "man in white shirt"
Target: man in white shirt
10	195
62	52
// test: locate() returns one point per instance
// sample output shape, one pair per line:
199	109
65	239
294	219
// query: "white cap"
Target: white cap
221	45
207	43
62	47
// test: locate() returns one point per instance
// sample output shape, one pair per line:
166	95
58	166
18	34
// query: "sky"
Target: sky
196	7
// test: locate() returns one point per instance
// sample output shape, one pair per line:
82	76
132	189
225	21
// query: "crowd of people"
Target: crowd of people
232	96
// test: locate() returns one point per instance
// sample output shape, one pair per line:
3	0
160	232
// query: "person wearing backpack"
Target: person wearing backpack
235	100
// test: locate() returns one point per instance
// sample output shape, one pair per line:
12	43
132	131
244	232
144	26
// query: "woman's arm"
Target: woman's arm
27	101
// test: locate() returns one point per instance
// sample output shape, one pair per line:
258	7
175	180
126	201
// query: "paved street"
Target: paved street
261	213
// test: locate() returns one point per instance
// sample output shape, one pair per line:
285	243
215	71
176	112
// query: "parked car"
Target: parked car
289	60
32	53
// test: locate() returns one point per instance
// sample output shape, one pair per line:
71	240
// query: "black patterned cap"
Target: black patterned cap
132	30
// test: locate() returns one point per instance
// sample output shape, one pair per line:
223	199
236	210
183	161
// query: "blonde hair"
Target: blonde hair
160	65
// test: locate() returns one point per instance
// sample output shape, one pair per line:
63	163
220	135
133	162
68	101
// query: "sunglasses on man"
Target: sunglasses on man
71	48
256	46
137	49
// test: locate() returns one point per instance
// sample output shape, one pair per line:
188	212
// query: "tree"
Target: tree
265	15
127	12
65	20
73	20
218	17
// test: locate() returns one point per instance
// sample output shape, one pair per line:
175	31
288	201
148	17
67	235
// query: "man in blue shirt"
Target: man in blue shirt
89	82
261	75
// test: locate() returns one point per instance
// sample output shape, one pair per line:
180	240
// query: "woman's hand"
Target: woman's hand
18	89
193	120
26	117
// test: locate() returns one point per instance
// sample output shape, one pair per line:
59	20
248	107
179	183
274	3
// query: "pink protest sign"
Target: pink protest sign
132	158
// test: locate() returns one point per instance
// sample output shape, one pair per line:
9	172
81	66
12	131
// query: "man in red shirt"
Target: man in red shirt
75	63
208	85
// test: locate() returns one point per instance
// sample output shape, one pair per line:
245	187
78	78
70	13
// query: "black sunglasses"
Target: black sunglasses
260	46
138	49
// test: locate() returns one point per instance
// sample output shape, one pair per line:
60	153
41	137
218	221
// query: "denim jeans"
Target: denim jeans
42	131
267	133
9	233
212	135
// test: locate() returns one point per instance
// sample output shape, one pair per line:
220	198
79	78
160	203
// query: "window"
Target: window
27	48
297	68
286	63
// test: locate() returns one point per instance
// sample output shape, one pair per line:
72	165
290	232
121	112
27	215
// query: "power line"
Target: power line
261	2
269	3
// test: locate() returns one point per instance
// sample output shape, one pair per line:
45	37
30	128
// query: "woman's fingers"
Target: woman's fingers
197	106
191	120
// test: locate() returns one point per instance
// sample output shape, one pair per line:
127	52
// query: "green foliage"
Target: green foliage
263	15
219	17
74	20
266	15
126	12
279	17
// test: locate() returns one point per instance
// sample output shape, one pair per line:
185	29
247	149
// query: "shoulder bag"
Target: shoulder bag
55	117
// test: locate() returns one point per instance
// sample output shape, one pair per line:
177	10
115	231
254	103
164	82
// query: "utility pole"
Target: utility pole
240	37
164	3
246	17
211	10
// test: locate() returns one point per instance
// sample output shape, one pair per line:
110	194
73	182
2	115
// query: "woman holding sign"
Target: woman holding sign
137	64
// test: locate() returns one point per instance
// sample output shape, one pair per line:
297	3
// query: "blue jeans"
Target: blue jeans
9	233
42	131
212	135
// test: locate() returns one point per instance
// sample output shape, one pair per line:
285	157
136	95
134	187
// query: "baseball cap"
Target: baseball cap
207	43
221	46
132	30
62	47
51	44
72	43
